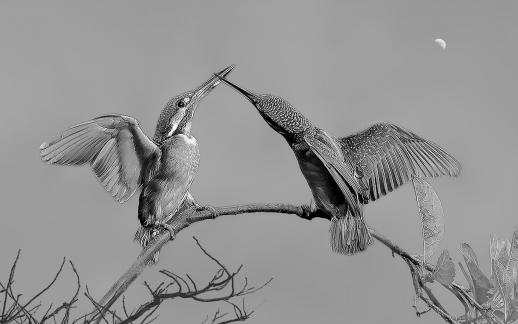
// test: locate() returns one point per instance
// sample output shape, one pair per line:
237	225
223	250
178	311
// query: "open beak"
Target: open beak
250	96
210	84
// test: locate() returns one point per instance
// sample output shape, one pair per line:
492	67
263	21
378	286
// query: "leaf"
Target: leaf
499	250
503	266
500	279
514	311
444	271
432	220
481	283
495	302
513	254
468	278
512	266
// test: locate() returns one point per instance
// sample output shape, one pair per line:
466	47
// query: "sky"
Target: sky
343	64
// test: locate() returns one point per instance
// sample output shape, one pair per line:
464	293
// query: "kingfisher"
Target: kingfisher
345	173
125	160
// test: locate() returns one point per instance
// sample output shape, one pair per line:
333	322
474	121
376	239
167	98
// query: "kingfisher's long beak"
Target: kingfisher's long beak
198	94
250	96
210	84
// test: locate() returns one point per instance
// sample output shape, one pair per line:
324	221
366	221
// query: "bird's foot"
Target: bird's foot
164	226
211	209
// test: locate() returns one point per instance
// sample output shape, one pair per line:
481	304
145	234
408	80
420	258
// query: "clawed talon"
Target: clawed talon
169	228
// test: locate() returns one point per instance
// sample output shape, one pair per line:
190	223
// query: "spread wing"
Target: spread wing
387	156
326	149
113	145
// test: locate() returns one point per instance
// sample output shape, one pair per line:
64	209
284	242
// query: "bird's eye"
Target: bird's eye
182	103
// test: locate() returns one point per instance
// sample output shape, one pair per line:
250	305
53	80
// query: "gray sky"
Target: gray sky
343	64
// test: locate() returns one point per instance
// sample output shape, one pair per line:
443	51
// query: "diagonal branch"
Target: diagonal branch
191	216
180	222
222	287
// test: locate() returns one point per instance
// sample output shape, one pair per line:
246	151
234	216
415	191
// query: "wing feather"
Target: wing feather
396	175
113	145
324	148
388	156
388	174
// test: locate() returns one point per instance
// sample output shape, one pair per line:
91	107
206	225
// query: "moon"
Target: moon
441	42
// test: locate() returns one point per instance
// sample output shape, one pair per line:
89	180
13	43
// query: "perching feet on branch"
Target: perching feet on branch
164	226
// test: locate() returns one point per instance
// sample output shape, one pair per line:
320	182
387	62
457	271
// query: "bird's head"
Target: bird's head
177	115
276	111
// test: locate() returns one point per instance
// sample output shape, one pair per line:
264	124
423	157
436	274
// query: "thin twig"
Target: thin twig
9	283
189	289
68	304
46	288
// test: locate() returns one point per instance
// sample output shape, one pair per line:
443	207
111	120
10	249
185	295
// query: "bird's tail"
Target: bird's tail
349	234
144	236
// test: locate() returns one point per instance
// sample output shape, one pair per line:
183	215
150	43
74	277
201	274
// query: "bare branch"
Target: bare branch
68	304
223	280
9	283
48	286
180	222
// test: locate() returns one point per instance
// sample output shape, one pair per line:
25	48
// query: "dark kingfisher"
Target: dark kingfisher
348	172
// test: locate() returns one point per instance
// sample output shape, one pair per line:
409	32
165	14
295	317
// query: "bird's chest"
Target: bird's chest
326	192
169	180
180	155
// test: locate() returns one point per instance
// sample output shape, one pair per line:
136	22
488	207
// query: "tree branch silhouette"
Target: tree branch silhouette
14	310
181	221
417	269
186	288
223	286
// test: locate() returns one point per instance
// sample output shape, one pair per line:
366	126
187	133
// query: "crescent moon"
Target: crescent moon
441	42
